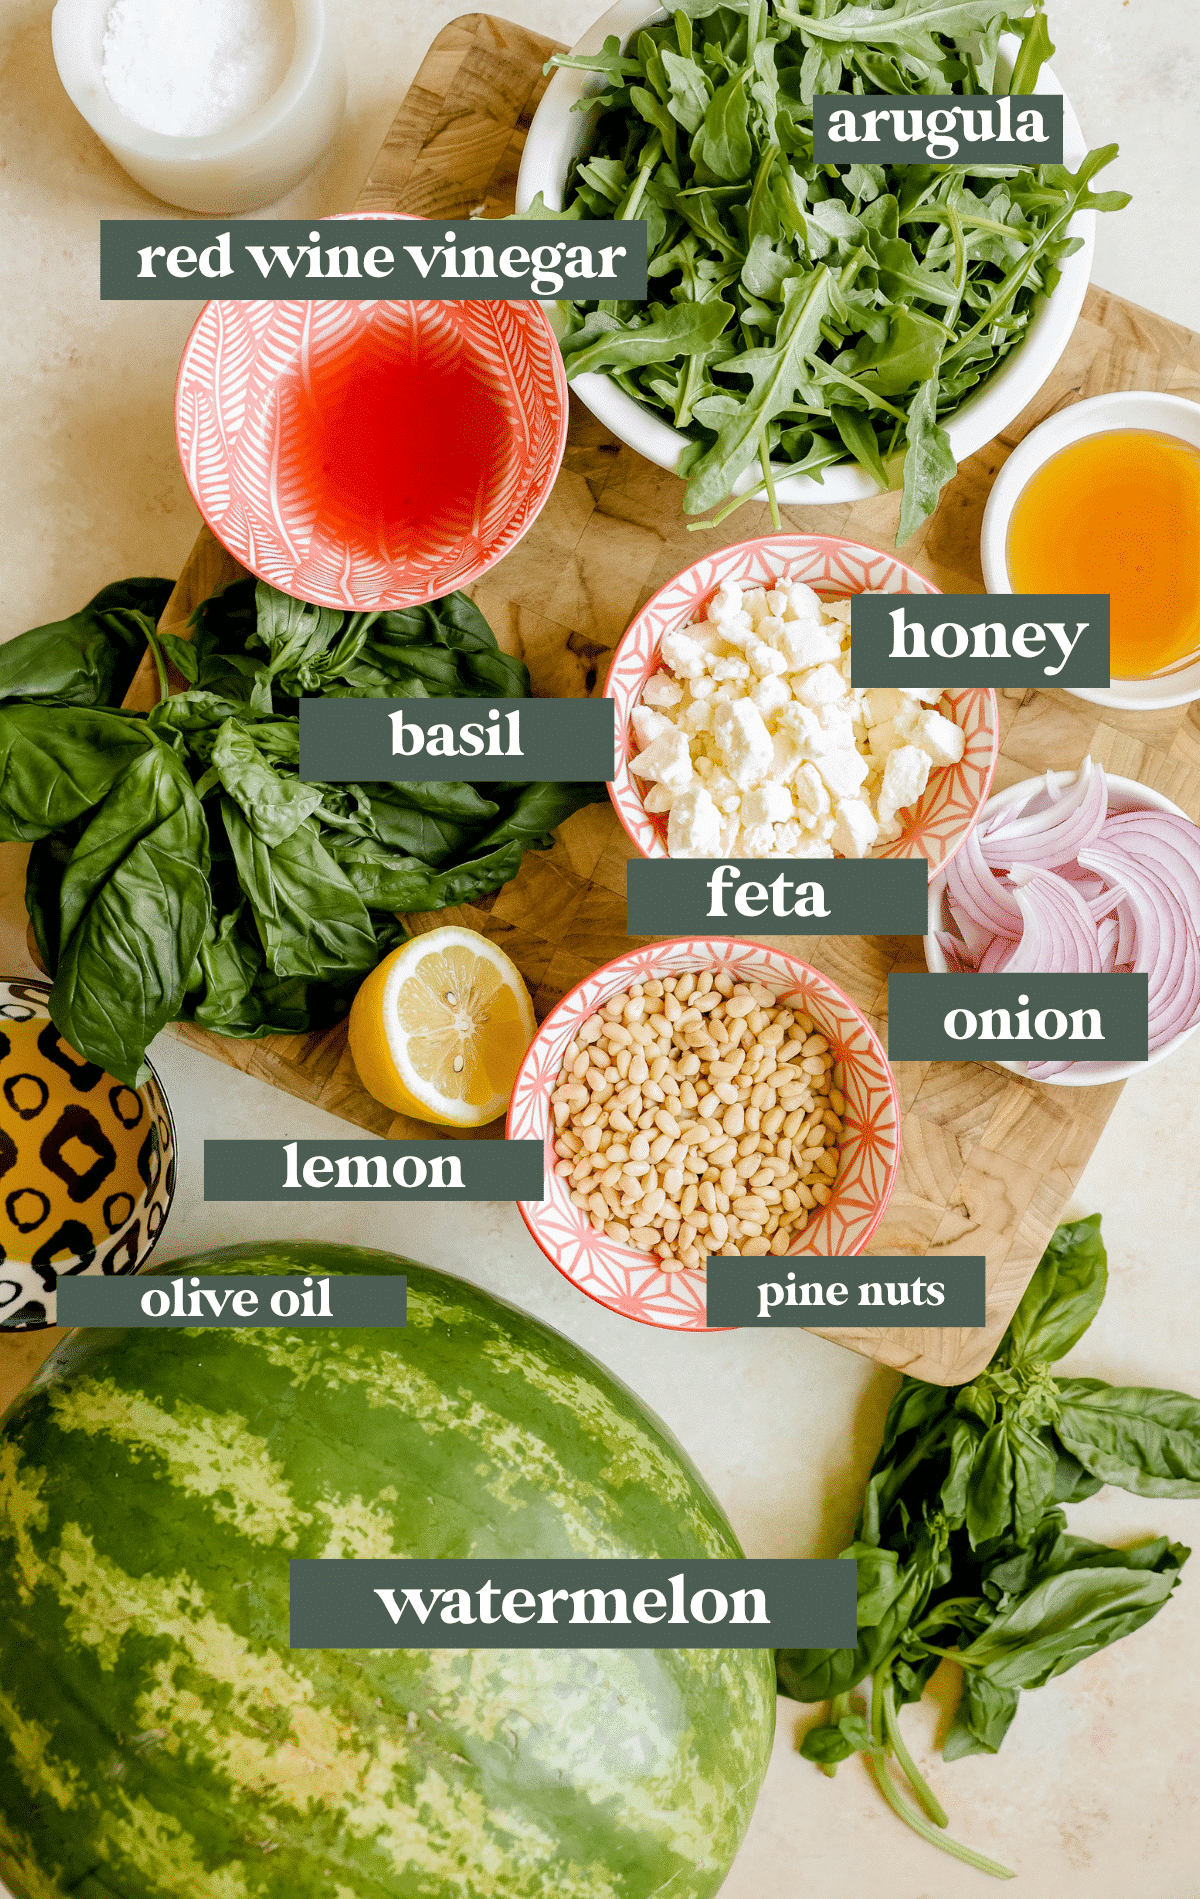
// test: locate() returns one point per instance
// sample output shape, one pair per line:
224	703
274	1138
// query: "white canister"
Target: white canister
241	168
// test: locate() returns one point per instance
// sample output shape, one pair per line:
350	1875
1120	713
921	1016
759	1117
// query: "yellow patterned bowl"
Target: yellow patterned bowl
87	1165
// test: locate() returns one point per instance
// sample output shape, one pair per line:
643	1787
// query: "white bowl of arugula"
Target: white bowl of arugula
889	320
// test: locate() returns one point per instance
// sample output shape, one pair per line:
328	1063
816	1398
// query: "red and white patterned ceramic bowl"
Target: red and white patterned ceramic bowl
631	1282
941	820
246	382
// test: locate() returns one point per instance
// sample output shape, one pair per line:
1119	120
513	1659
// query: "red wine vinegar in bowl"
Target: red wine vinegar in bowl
370	454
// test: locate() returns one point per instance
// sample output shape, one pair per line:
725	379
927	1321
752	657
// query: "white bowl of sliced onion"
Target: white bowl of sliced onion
1078	871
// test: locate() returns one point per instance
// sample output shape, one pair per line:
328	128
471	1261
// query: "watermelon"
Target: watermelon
159	1739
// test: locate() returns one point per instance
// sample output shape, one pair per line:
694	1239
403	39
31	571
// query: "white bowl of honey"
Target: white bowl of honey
1104	497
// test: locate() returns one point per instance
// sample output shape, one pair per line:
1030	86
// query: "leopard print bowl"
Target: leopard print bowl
87	1165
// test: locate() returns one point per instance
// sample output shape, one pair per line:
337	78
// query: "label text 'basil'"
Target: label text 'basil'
957	1017
979	639
572	1602
174	1300
484	741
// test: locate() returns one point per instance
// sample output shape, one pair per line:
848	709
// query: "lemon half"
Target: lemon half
438	1030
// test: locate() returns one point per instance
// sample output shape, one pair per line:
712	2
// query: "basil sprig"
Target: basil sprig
180	868
962	1543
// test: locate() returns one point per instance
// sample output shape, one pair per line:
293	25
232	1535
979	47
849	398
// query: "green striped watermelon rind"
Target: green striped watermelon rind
158	1740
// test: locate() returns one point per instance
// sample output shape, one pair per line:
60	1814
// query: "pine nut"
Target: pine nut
698	1114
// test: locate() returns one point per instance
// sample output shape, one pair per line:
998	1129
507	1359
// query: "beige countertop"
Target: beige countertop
1095	1792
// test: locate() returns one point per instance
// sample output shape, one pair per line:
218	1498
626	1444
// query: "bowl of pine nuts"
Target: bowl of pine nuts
702	1096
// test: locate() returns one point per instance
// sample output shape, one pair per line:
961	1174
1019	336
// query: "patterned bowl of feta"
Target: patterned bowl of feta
741	734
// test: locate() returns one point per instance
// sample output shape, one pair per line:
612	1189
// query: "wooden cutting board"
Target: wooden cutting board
988	1160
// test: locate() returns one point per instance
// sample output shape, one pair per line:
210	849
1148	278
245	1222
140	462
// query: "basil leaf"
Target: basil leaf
1065	1619
89	658
135	904
829	1745
1063	1297
273	806
227	965
311	920
57	762
982	1719
1144	1440
990	1493
964	1446
1033	1479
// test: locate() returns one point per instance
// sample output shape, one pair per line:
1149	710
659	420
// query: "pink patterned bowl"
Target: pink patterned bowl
630	1282
941	820
374	454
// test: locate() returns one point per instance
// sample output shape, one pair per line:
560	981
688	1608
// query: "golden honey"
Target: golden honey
1118	513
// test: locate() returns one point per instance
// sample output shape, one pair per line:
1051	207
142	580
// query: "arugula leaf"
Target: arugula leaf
722	147
928	462
683	329
774	374
690	90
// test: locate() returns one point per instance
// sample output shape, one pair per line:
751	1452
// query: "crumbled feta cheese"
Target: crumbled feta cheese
661	690
668	760
855	829
771	695
649	725
843	771
904	779
804	603
757	743
684	655
731	668
812	799
744	742
806	643
697	718
767	804
820	687
942	740
767	663
694	826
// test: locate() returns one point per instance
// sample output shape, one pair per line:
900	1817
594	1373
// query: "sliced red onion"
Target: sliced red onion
956	953
1168	948
1050	838
1074	887
1165	839
1060	935
973	889
1107	934
996	956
